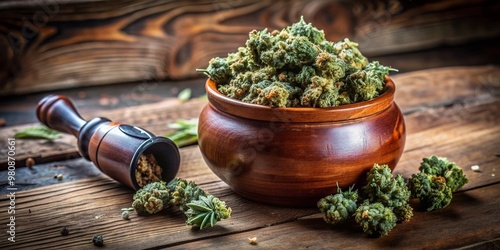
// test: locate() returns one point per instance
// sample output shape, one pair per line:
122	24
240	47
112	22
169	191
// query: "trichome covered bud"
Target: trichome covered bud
455	177
338	207
375	218
391	191
437	179
431	190
151	198
206	211
297	67
201	208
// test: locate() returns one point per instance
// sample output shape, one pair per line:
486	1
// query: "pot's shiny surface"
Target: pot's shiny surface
295	156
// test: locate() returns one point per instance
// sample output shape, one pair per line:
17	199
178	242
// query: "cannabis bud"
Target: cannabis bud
437	179
391	191
201	208
297	67
206	210
151	198
338	207
375	218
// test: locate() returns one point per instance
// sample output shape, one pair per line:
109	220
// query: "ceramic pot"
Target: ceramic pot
296	156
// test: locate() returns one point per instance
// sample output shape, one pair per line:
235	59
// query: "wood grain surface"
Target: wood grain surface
48	45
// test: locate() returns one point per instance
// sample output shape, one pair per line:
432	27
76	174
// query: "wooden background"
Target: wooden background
55	44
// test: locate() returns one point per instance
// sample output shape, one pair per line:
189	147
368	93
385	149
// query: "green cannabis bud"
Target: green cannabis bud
375	218
338	207
201	208
297	67
437	179
206	211
151	198
431	190
391	191
455	177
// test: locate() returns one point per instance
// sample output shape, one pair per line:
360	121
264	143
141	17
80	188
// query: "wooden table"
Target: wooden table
449	112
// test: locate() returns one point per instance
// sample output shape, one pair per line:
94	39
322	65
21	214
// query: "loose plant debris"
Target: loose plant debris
184	95
59	177
125	215
475	168
201	208
147	170
98	240
384	200
252	241
297	67
64	231
30	162
186	132
38	132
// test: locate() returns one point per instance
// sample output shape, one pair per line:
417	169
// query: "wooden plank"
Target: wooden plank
427	24
54	44
433	88
472	219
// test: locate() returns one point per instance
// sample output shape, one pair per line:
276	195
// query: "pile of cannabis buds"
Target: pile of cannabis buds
385	198
297	67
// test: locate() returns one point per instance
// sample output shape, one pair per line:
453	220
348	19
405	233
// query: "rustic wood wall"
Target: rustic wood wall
54	44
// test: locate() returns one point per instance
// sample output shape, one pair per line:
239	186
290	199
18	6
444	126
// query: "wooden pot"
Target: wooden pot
296	156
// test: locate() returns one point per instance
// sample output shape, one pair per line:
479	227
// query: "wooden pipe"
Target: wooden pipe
113	147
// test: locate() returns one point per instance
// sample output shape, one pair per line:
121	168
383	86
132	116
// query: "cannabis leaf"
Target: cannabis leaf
184	95
186	134
37	132
205	211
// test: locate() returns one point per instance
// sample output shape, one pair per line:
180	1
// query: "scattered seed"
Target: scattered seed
128	209
125	215
252	241
59	177
98	240
30	163
475	168
64	231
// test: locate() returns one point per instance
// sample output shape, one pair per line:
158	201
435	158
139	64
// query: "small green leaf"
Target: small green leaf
184	95
196	220
198	207
186	134
205	220
38	132
213	221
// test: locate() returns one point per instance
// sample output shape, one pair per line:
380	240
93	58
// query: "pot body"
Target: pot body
283	160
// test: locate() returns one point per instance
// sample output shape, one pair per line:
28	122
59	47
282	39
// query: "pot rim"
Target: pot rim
300	114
